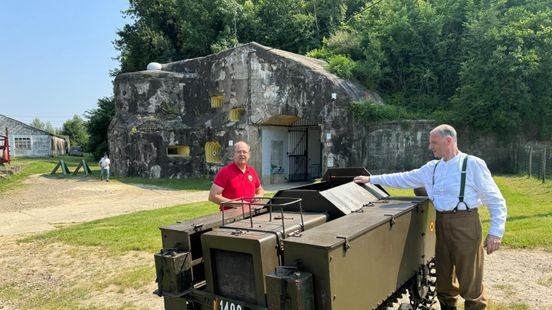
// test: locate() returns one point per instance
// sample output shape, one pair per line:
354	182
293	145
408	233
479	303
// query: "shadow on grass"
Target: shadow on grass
180	184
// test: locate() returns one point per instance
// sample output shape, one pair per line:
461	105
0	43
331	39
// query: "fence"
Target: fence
535	161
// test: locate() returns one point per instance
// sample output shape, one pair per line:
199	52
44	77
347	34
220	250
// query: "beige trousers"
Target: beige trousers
459	259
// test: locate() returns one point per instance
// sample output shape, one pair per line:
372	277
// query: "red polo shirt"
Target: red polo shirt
235	183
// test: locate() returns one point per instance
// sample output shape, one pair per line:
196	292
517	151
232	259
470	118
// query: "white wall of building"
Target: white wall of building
274	136
40	146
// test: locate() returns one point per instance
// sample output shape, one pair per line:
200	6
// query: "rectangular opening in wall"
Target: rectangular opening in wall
22	143
213	152
235	114
178	150
216	101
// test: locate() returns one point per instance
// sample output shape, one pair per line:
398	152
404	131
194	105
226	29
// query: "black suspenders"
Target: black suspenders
462	183
462	186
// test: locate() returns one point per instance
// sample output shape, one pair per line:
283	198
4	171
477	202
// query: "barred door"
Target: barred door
298	141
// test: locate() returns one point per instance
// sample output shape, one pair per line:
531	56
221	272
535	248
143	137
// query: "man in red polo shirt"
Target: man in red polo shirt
237	179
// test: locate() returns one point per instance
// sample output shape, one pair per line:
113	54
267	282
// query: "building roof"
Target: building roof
20	123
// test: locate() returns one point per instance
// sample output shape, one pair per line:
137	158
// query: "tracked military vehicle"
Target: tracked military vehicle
333	244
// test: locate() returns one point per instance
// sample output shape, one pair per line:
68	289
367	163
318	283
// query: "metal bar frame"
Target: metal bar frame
270	202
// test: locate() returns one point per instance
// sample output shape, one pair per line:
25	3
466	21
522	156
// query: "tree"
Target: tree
479	64
507	70
37	123
484	64
46	126
170	30
75	128
98	124
50	128
395	48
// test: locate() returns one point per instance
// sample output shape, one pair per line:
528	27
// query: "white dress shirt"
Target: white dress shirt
443	188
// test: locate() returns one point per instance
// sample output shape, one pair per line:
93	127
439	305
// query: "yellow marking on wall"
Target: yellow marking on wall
213	152
235	114
178	150
217	101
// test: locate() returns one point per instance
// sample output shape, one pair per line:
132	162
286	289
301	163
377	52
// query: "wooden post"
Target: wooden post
530	160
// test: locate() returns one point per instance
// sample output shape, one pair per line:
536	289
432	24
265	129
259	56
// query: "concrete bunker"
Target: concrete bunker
182	120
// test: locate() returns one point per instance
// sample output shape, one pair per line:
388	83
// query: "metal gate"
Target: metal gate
298	151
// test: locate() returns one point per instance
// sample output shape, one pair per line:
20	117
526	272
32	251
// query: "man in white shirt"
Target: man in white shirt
104	166
458	185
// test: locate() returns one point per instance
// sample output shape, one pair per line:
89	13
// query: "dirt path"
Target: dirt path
44	270
51	270
43	203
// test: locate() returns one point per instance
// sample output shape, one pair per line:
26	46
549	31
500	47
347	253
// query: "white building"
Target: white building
26	140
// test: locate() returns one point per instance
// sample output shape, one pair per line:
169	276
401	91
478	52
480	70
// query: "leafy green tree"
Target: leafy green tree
51	129
98	124
394	44
75	129
479	64
46	126
171	30
506	74
341	65
485	64
37	123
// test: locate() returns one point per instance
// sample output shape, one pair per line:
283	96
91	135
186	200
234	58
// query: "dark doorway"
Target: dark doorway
298	153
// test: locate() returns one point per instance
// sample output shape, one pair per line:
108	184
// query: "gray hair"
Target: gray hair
242	142
445	130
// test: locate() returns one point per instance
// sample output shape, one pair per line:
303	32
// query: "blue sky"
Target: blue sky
56	56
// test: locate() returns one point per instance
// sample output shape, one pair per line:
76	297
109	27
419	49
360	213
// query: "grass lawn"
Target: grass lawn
529	202
29	166
529	222
134	232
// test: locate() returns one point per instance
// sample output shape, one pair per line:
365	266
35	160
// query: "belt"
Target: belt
458	211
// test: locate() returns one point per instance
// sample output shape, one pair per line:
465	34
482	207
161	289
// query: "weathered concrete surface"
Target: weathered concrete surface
263	95
257	86
400	146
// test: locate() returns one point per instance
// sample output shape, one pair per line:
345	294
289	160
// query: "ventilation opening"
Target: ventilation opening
216	101
235	114
213	152
178	150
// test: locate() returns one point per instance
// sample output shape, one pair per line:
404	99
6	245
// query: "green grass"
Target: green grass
182	184
529	222
135	232
493	306
134	278
27	166
529	201
35	297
